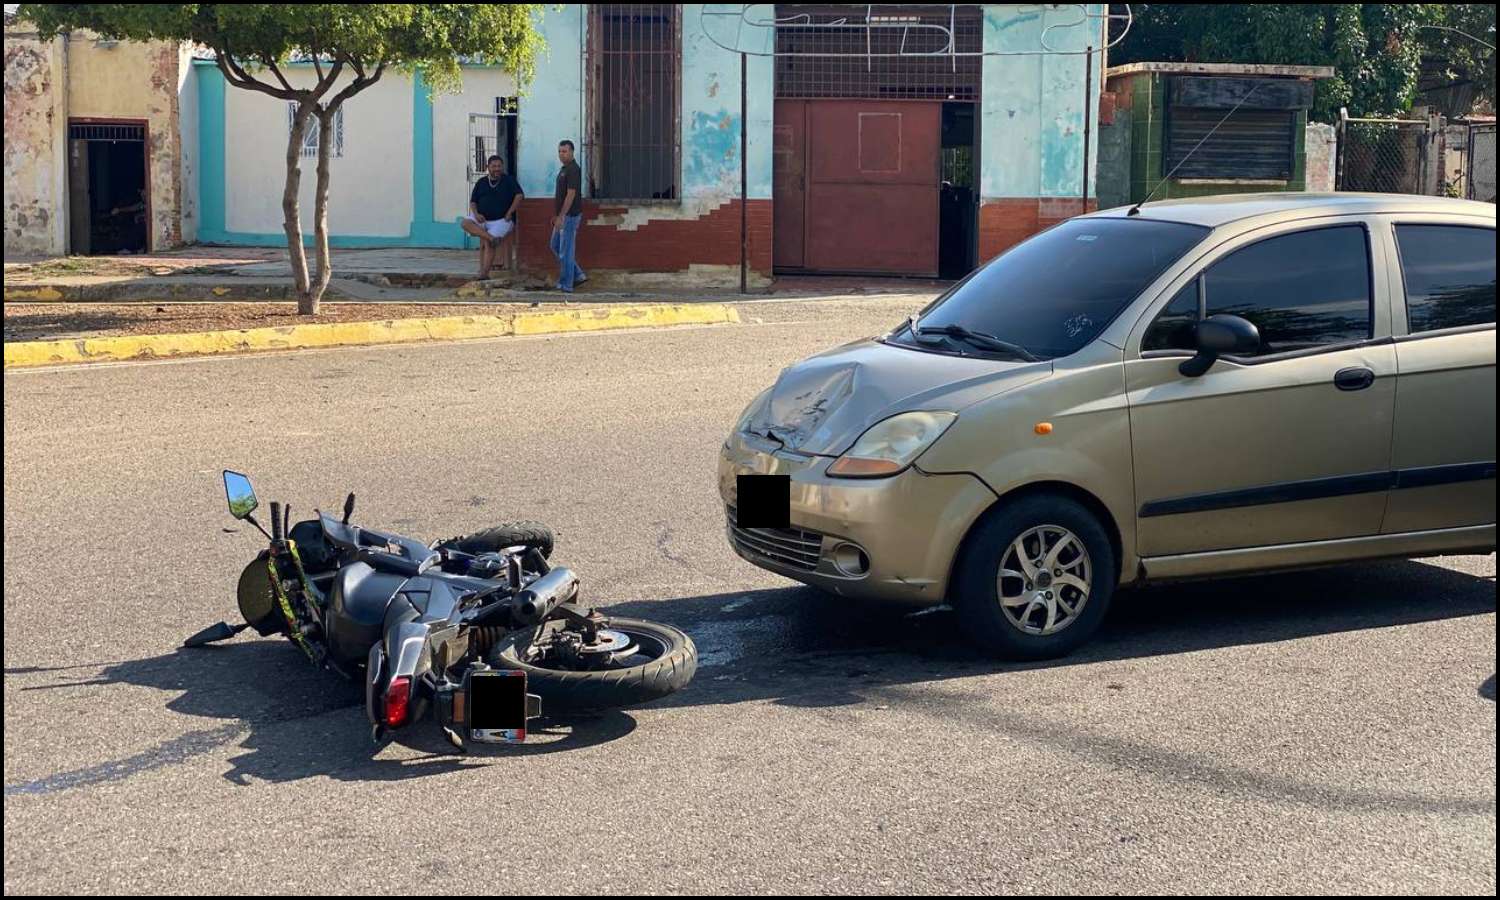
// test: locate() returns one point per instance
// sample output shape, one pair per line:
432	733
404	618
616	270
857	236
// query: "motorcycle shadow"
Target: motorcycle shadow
297	722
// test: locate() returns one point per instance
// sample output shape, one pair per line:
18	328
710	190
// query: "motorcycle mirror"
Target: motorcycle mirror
220	632
240	494
348	507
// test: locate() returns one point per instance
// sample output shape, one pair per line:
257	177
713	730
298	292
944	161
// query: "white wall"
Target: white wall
370	186
450	136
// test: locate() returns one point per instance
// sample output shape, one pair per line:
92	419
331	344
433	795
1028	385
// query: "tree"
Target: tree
1376	49
352	43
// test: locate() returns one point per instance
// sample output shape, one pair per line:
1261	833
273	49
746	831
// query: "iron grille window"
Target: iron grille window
1252	143
106	132
632	145
891	53
310	136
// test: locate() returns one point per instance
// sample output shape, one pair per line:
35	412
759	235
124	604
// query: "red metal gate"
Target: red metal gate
857	186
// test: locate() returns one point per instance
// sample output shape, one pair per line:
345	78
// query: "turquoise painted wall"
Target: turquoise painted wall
552	106
1031	129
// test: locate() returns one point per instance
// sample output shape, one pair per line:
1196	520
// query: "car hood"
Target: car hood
821	405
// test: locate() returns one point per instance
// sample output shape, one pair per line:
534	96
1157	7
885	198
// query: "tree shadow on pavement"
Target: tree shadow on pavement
292	720
802	647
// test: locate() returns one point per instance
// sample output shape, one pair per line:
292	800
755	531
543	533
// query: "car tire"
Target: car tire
978	580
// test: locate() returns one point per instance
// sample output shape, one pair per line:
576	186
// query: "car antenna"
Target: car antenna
1136	209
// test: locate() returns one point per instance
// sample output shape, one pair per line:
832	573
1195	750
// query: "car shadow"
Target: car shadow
802	647
293	721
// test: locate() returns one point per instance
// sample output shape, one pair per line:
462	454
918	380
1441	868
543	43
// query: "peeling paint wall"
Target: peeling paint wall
1031	138
129	80
187	127
35	127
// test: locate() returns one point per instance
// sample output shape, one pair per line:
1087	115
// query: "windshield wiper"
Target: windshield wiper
978	339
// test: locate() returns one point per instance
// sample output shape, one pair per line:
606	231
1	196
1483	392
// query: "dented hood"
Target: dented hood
822	404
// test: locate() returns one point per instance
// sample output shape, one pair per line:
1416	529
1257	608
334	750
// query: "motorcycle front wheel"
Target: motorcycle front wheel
660	660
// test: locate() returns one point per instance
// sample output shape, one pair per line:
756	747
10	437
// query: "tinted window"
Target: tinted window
1304	290
1450	275
1055	292
1174	327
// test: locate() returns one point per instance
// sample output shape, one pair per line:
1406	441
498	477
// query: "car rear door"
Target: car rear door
1443	454
1291	444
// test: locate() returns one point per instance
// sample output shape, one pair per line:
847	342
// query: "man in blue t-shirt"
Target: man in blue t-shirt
492	212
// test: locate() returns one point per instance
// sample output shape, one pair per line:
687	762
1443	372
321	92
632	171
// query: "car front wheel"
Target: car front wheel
1035	578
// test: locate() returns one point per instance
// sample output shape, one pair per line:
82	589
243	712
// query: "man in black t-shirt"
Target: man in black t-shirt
492	212
567	207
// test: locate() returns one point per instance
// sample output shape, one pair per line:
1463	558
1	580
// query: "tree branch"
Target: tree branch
271	64
359	84
237	77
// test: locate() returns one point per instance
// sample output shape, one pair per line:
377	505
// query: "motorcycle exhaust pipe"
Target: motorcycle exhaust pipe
532	605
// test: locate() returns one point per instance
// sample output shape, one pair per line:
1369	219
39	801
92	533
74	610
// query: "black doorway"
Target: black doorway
108	194
957	209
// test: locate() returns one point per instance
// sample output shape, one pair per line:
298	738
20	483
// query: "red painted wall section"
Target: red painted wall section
659	245
1005	222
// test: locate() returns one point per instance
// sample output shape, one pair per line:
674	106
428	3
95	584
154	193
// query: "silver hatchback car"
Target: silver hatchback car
1194	388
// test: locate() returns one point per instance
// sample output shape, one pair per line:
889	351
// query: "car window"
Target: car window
1450	275
1303	290
1174	328
1056	292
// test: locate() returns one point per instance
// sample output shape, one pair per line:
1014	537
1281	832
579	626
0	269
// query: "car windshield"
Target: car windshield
1054	293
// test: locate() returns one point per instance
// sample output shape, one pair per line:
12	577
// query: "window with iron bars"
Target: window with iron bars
310	136
881	52
631	146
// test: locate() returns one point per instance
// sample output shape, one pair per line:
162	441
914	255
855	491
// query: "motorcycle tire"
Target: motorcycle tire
509	534
575	691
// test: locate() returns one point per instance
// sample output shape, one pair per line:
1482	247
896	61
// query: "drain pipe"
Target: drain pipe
1088	96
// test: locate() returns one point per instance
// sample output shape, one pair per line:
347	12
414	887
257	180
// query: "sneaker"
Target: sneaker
580	280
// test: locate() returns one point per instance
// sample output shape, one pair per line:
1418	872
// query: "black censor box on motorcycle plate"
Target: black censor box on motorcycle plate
763	501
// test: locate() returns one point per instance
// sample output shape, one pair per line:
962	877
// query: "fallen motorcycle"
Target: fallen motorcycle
479	630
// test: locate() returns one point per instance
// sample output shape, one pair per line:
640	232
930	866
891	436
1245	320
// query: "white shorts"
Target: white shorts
497	228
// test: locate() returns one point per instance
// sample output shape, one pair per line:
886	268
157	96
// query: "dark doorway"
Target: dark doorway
108	194
957	209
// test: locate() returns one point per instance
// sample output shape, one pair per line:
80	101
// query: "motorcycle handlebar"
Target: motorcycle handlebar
278	534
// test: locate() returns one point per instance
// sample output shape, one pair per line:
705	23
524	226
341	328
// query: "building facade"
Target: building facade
909	140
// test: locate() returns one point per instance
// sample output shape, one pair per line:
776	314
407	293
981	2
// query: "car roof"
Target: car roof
1225	208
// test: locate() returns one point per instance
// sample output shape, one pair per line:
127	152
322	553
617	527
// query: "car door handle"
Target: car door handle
1355	378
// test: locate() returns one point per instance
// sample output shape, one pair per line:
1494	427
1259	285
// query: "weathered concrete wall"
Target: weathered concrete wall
187	128
35	133
1483	166
137	81
1322	150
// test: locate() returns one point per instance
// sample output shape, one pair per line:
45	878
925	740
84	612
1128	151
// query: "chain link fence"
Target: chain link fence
1392	156
1480	165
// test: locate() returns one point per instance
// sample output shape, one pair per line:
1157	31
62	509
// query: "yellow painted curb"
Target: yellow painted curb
342	334
32	293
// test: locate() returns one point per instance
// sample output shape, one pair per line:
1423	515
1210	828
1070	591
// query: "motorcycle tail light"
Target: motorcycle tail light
397	699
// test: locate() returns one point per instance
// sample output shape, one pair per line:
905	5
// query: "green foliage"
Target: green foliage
434	37
1376	49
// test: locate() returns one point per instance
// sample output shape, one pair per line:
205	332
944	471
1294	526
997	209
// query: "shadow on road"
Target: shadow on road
256	689
802	647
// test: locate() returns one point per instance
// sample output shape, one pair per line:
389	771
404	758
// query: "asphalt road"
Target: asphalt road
1331	731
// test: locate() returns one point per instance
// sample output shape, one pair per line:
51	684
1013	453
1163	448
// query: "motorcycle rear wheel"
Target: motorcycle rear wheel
664	664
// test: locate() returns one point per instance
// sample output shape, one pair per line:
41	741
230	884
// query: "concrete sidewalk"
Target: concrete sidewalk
397	275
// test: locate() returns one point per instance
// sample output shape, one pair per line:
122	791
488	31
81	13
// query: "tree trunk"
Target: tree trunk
306	303
320	211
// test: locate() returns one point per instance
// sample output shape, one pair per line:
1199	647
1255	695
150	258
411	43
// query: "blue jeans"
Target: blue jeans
564	243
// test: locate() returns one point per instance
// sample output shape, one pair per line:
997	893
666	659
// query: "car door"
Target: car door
1289	444
1444	316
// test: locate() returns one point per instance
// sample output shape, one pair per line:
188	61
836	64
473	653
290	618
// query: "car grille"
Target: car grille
789	546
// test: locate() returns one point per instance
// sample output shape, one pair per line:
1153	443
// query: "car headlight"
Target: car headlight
752	410
889	446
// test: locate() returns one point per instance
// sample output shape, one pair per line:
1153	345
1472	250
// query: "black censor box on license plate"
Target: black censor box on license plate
763	501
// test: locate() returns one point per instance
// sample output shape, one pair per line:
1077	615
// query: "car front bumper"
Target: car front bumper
909	525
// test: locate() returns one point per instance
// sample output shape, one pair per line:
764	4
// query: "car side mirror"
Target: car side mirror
1218	336
240	494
